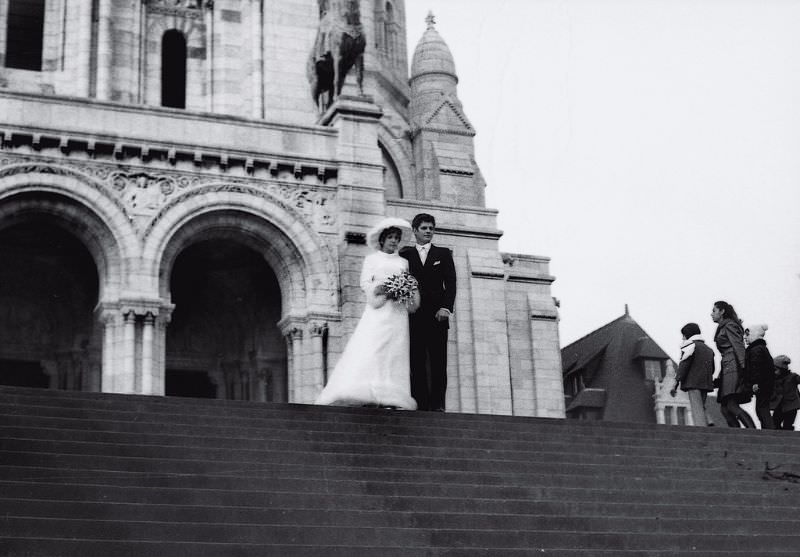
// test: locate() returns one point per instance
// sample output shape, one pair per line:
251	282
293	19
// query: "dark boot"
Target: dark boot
730	417
746	420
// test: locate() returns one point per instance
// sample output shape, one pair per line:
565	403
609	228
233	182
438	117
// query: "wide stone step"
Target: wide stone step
326	453
355	536
101	474
276	438
394	496
81	548
221	477
779	442
190	410
197	513
125	512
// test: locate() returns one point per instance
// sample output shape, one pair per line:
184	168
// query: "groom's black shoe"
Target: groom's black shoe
438	410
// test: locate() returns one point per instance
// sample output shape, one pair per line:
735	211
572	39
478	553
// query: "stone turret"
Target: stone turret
433	73
444	150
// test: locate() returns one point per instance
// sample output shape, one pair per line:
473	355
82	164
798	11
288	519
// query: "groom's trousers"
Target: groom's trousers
428	365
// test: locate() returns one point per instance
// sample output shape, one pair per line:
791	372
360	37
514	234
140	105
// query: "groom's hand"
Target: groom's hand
442	315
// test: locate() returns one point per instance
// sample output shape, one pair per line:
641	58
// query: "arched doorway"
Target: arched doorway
223	340
49	336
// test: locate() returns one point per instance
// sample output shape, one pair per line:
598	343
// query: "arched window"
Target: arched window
25	34
392	184
173	69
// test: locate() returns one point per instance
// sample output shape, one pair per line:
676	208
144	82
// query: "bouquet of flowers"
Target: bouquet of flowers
400	288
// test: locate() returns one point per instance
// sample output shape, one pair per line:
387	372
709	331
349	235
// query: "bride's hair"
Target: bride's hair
386	232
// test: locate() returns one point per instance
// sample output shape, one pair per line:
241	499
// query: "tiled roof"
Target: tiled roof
609	360
646	347
588	398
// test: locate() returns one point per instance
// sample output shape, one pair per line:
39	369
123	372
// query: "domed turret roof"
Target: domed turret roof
432	54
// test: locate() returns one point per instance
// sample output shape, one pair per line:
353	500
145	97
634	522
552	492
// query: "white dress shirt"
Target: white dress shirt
423	251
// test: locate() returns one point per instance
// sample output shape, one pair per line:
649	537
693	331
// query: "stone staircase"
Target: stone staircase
88	474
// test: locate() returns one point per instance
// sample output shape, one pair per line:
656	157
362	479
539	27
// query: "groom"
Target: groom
433	268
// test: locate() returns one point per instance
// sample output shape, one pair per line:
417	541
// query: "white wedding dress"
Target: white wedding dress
374	367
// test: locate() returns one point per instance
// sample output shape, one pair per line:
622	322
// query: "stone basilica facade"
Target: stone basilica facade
184	192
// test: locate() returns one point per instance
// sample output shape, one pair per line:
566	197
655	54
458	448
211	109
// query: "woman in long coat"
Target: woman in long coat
733	387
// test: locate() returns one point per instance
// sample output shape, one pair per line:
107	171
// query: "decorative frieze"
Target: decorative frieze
192	9
152	193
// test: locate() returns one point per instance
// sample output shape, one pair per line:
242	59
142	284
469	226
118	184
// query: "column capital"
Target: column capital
317	328
148	308
293	334
292	325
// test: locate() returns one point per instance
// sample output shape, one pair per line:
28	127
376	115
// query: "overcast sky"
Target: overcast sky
651	148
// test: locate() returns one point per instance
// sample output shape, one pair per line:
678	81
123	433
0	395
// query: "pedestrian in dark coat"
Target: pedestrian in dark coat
695	372
785	398
759	372
733	389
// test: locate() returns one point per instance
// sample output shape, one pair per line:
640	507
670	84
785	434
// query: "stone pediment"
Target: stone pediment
449	117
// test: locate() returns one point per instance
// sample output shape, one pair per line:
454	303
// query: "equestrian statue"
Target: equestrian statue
339	47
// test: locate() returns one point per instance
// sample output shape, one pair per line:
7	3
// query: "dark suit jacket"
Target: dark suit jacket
437	280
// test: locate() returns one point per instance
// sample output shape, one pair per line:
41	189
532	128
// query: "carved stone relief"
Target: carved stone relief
152	193
180	8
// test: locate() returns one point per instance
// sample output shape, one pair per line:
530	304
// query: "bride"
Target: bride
374	368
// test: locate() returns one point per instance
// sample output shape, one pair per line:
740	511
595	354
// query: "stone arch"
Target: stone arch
192	27
80	205
261	237
394	153
305	269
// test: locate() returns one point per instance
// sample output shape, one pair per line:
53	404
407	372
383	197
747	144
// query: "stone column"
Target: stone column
259	383
105	56
257	29
82	12
127	382
295	337
148	352
549	385
108	375
208	16
487	300
315	374
50	369
160	353
278	383
660	418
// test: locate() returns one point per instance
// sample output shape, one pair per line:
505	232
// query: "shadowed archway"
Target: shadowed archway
223	340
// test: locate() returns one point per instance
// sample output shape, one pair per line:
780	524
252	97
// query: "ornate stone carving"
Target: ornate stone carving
153	192
182	8
143	193
309	206
293	334
12	166
317	328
